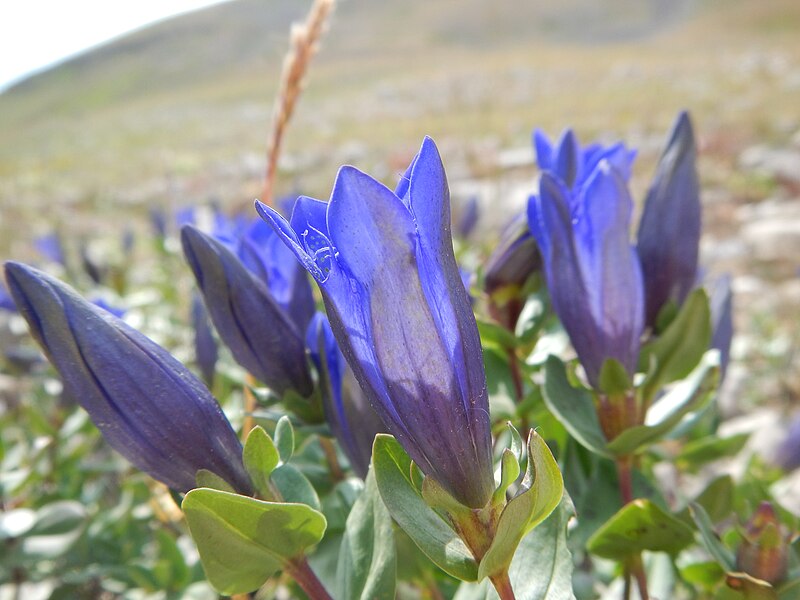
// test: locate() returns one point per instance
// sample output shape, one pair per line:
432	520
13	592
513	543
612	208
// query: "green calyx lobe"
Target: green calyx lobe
468	543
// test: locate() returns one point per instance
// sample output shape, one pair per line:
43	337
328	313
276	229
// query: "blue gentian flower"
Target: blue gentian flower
591	268
265	254
51	248
669	232
385	265
147	405
114	310
573	164
6	301
205	346
468	219
260	334
352	420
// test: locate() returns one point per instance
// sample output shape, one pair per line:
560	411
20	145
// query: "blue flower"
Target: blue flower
399	311
352	420
51	248
260	334
592	271
573	164
6	301
147	405
267	257
669	232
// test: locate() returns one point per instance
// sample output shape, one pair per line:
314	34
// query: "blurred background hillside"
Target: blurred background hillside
177	114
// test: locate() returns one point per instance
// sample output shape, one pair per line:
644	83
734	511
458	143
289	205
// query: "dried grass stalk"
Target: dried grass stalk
304	40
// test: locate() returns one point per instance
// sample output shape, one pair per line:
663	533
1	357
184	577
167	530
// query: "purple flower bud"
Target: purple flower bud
385	265
515	259
205	346
158	221
468	219
261	336
147	405
591	269
721	303
788	455
352	420
669	232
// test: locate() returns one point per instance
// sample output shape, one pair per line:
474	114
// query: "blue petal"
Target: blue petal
566	163
544	150
609	264
289	237
376	240
444	291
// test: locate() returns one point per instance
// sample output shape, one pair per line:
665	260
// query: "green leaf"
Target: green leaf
284	438
573	407
509	471
712	447
242	541
711	540
540	492
493	334
789	590
367	561
614	378
542	565
677	351
638	526
206	479
59	517
294	486
260	458
689	395
423	525
716	499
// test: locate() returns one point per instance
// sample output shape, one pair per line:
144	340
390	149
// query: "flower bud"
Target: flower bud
668	241
146	404
260	335
764	552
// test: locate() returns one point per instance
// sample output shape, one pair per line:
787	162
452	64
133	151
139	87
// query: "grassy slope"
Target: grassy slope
178	111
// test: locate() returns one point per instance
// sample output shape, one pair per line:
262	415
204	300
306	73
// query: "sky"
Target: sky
37	33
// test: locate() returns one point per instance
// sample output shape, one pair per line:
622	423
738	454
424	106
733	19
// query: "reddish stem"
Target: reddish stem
502	584
301	572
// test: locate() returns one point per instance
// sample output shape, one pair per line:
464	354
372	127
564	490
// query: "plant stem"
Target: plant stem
330	456
625	476
635	567
502	584
301	572
249	405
